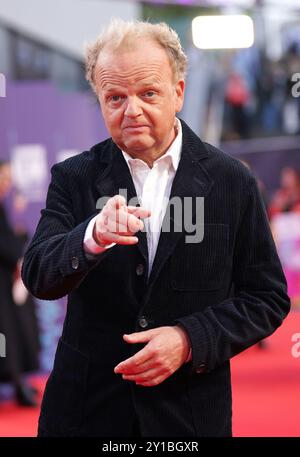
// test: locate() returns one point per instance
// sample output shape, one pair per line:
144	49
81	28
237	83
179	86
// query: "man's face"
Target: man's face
139	98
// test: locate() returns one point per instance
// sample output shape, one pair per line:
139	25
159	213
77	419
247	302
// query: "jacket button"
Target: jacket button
75	263
139	269
201	368
143	322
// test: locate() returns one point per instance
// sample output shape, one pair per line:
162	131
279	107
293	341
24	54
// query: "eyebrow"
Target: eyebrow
111	89
146	84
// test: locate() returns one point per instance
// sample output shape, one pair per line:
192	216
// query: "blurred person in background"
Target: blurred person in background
237	97
153	318
17	323
287	197
270	95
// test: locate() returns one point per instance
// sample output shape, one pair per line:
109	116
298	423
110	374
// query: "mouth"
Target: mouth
135	127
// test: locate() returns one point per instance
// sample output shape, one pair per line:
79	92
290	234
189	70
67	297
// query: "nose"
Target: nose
133	108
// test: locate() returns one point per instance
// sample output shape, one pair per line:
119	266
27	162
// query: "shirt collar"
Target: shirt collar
174	151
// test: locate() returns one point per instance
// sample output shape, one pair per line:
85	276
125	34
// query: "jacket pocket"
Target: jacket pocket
64	397
201	266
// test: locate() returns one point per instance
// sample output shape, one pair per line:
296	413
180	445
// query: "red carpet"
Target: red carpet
266	400
20	421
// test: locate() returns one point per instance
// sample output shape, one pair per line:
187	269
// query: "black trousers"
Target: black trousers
134	433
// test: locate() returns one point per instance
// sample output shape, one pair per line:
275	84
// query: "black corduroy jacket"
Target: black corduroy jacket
227	291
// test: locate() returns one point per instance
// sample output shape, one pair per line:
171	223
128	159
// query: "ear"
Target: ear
179	94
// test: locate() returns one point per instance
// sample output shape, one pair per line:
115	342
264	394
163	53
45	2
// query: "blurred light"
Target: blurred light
243	3
2	85
223	32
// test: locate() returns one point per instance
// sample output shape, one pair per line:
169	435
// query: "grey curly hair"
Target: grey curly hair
120	34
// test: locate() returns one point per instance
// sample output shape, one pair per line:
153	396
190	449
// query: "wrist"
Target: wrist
187	342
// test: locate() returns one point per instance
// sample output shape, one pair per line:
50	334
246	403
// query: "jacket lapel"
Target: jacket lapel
191	180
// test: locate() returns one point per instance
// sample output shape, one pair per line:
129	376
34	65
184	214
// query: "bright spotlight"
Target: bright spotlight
223	32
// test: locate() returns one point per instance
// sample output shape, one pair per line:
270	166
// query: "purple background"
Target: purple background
40	113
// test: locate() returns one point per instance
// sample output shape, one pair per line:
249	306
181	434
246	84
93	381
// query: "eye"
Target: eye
114	101
115	98
149	94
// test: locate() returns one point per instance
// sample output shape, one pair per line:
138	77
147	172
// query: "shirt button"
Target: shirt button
143	322
140	269
201	368
75	263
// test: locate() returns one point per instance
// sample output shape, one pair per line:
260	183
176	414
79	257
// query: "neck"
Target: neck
149	157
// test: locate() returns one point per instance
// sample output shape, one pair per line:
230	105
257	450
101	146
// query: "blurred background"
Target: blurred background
243	100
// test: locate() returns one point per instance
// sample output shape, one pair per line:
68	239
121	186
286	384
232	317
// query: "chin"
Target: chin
137	146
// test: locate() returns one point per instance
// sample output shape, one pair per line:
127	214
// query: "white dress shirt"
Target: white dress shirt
153	187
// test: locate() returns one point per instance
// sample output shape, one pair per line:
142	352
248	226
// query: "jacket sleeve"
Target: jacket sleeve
55	262
260	301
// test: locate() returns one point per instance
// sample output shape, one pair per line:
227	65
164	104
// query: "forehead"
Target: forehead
149	61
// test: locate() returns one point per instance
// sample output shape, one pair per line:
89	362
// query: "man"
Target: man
17	323
152	319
